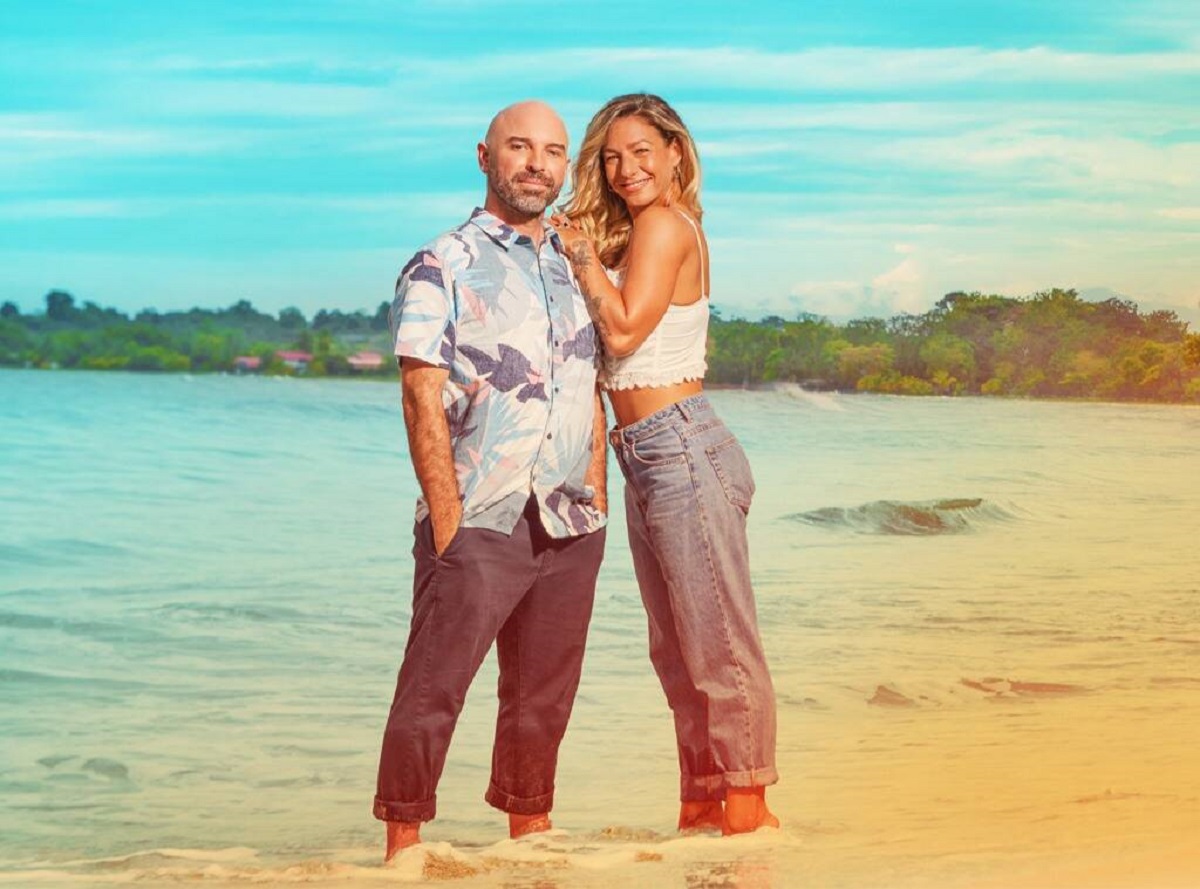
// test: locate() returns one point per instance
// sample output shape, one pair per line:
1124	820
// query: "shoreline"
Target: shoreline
626	857
774	386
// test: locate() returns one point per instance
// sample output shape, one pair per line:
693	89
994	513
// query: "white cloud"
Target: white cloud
34	139
851	68
264	98
308	279
68	208
1186	214
1058	158
903	288
436	205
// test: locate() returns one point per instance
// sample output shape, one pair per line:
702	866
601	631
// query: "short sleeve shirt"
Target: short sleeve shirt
506	319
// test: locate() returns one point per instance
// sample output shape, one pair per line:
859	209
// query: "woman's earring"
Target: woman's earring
676	182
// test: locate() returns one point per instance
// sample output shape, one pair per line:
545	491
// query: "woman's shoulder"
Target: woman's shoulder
663	222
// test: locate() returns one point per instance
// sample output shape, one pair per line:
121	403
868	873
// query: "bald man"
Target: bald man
498	361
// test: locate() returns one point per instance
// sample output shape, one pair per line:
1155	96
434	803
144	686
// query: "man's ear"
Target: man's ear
481	154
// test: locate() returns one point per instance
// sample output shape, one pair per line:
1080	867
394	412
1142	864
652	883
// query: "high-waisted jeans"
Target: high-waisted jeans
687	494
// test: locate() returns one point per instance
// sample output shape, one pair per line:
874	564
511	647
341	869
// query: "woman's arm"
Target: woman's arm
657	248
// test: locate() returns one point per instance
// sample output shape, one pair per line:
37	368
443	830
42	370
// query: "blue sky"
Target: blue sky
860	158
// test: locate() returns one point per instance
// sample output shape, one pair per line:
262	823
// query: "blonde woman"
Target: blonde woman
632	231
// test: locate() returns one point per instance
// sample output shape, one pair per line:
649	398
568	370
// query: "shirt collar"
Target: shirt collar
505	235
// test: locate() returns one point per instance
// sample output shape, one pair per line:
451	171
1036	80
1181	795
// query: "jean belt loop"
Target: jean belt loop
682	407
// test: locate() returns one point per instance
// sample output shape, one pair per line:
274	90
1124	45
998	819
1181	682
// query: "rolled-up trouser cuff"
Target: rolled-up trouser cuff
518	805
408	812
752	778
703	788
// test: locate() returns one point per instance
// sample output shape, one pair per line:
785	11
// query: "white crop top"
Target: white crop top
674	352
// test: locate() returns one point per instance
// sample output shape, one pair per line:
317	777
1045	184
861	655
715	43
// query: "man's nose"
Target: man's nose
536	161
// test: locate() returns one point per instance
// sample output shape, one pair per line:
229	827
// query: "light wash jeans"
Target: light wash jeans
687	493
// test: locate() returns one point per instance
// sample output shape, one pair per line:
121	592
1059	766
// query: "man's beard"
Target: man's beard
511	195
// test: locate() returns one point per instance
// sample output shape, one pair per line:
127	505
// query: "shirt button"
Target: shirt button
549	435
556	342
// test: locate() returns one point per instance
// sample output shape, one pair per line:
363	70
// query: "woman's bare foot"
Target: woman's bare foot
523	825
746	810
697	815
401	835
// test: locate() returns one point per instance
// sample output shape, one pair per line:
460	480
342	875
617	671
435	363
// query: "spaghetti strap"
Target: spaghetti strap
700	247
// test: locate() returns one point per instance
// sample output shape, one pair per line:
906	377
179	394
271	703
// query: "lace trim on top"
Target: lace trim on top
635	379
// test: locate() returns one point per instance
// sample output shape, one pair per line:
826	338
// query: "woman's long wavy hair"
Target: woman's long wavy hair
599	210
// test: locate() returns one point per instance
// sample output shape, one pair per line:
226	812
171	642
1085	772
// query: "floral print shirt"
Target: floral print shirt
507	320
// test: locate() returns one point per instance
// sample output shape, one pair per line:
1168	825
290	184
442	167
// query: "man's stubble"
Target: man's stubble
510	194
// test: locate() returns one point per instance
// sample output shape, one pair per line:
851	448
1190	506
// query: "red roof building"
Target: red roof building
297	361
361	361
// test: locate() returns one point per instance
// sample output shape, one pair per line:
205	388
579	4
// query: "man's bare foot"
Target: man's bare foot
523	825
401	835
746	810
697	815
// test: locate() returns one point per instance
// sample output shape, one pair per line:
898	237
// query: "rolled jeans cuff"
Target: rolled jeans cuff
753	778
408	812
518	805
705	788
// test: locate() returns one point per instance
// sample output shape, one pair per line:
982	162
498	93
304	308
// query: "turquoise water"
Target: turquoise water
204	589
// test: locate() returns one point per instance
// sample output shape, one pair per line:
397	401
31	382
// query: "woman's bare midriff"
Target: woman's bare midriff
631	405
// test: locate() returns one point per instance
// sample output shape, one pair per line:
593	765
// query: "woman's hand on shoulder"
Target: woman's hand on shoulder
570	231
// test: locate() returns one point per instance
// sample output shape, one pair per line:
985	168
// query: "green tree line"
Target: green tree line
200	340
1051	344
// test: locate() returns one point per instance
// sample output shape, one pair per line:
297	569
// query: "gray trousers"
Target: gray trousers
532	595
687	494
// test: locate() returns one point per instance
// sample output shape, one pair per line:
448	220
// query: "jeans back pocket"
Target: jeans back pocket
733	470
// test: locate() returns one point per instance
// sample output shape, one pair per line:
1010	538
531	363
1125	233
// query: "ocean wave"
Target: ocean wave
24	555
10	678
824	401
917	518
628	856
965	692
60	551
219	613
98	630
31	677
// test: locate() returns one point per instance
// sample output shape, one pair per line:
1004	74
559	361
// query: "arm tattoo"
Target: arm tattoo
581	257
581	261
